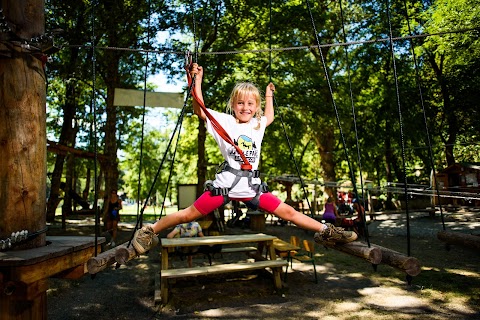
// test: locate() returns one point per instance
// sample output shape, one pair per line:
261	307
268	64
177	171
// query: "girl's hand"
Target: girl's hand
270	90
196	70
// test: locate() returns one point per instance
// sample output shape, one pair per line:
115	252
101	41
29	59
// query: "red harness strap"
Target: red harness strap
224	134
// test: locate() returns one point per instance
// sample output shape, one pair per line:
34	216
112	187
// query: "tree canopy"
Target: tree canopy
362	87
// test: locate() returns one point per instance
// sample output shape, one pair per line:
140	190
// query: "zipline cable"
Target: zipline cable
327	45
327	78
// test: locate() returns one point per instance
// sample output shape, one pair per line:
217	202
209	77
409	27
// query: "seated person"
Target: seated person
330	212
187	230
358	221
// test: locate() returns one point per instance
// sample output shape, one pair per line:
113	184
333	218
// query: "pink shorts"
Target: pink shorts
206	203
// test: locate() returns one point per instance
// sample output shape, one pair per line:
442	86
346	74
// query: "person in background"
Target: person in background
187	230
358	221
330	212
112	215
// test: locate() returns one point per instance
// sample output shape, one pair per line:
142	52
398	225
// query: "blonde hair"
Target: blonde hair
240	90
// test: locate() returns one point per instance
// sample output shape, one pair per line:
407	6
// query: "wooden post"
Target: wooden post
461	239
125	254
410	265
103	260
23	144
22	126
359	249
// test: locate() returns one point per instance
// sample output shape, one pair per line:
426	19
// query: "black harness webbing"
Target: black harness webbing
239	174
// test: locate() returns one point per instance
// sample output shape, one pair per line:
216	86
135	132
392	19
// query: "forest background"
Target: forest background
399	99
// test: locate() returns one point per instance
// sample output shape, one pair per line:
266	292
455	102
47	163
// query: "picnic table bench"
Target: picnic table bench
262	240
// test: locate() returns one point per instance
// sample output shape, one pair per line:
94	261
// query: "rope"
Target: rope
177	128
95	149
327	77
139	185
397	93
418	78
270	42
354	117
170	175
297	169
305	195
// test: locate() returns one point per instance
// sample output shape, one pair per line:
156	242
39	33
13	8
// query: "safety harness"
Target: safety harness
246	168
239	174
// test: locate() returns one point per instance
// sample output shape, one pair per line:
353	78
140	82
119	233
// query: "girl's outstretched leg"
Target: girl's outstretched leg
325	233
146	237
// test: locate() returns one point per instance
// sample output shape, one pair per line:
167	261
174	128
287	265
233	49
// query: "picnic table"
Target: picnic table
262	240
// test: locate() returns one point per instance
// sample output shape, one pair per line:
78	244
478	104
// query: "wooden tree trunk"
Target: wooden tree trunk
67	138
23	145
325	144
22	127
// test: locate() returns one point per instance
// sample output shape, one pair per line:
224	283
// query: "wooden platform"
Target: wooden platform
24	273
57	246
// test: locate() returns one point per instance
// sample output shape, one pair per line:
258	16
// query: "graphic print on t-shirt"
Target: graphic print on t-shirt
248	147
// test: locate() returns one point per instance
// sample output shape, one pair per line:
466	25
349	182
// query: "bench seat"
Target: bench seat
221	268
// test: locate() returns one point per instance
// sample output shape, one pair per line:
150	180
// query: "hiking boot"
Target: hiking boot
333	235
144	239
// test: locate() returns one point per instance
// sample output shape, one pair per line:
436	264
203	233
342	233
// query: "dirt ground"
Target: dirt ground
348	287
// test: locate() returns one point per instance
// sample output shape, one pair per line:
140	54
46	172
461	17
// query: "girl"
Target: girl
330	213
246	126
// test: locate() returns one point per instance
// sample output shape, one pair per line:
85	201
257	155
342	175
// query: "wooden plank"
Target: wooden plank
221	268
58	246
238	249
73	273
462	239
277	279
211	240
48	268
157	295
283	246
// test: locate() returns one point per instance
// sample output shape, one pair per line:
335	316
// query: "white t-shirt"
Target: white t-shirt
247	138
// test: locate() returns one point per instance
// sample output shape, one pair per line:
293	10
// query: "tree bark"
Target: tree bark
22	126
325	143
450	116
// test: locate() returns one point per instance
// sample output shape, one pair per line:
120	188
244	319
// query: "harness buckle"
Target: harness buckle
264	187
245	166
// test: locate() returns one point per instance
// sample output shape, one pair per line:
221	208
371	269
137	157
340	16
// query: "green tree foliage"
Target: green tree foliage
454	57
370	112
